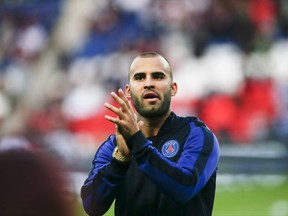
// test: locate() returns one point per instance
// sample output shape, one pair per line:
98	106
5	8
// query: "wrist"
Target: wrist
117	155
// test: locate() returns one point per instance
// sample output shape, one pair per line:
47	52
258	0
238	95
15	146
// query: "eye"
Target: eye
139	77
158	76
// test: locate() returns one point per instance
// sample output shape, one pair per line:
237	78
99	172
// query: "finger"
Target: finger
118	99
112	119
121	99
127	102
113	109
130	105
124	98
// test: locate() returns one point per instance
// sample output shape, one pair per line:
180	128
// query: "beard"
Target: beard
153	111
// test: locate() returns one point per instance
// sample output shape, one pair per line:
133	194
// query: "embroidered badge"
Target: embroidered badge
170	148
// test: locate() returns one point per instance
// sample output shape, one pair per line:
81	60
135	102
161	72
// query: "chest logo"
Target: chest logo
170	148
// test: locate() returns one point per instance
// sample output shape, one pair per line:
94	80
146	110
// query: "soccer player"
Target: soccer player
157	163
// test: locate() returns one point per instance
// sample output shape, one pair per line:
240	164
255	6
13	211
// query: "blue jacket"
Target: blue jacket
173	173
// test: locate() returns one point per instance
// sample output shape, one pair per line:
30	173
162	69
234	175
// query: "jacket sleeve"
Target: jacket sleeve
183	179
100	188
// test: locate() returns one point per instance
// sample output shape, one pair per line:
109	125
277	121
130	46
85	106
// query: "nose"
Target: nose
148	83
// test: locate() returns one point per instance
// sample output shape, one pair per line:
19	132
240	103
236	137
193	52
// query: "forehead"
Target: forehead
149	64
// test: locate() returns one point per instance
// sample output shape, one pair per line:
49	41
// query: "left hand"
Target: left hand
121	143
126	118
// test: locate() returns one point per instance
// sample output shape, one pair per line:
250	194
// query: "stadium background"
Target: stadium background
59	59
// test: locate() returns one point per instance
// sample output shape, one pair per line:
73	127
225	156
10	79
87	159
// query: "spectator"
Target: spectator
31	185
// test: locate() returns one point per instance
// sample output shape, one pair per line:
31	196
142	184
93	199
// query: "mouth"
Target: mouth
151	96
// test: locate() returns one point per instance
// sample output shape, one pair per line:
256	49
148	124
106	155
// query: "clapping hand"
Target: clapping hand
126	119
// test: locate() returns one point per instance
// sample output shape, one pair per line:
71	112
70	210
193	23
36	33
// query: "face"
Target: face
150	86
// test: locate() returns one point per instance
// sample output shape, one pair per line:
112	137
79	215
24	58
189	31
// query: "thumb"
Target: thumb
117	129
140	124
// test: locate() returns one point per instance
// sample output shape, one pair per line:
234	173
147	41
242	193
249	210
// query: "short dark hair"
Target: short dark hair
152	54
149	54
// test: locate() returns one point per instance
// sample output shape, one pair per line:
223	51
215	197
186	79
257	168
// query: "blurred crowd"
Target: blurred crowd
60	59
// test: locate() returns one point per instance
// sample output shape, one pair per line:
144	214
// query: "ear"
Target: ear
174	89
127	91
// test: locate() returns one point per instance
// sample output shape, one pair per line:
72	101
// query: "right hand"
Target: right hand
126	118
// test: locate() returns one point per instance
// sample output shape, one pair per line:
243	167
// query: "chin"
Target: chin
152	113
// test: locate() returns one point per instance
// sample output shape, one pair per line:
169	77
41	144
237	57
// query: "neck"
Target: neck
152	126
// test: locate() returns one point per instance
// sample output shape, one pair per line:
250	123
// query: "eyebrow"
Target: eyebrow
140	73
155	72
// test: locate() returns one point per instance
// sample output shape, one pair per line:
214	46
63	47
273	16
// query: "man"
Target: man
157	163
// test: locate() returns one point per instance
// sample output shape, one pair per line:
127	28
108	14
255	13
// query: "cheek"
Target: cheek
135	87
165	87
134	92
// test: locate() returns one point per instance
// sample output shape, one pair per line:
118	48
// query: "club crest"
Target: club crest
170	148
